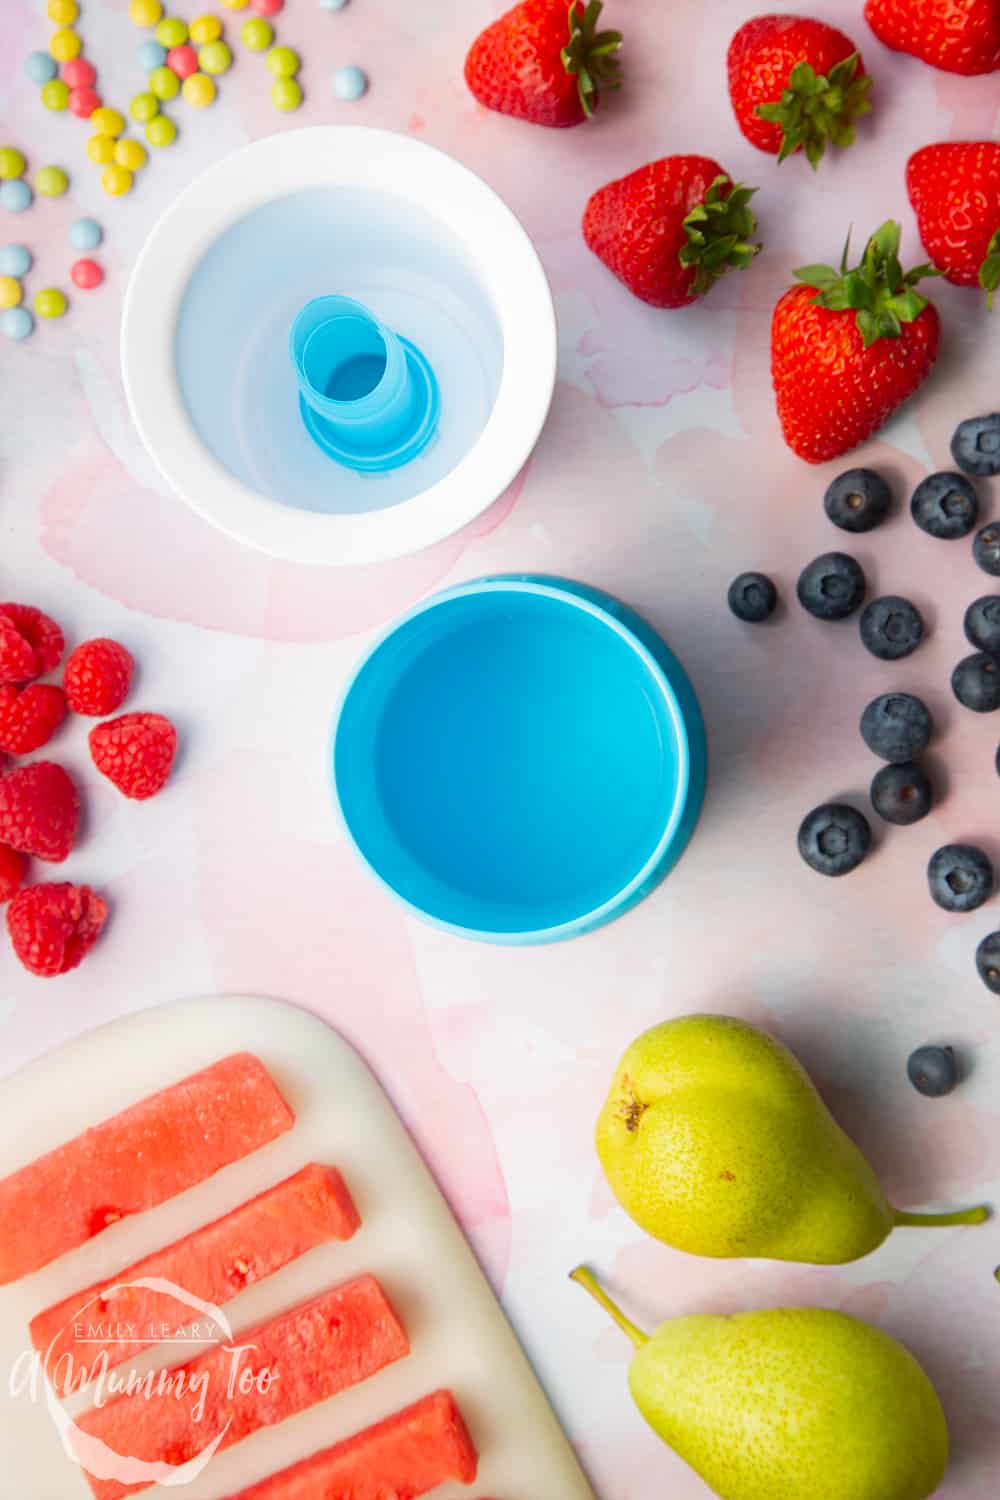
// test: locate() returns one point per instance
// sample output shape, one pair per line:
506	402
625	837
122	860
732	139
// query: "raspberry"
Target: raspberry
97	677
54	927
39	810
18	662
12	868
29	716
135	752
42	636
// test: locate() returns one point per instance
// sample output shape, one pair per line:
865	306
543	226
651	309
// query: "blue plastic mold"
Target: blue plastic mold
367	396
520	759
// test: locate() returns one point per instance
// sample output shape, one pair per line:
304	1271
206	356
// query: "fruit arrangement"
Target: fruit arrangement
714	1140
53	925
848	345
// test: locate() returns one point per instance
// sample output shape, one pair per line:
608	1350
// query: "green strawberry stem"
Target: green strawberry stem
814	109
939	1221
718	233
877	290
591	55
589	1282
989	271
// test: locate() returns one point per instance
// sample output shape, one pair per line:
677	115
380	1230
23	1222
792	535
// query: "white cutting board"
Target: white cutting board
459	1335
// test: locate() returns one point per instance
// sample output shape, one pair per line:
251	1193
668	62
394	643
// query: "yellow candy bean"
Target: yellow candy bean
116	180
286	94
205	29
64	45
100	150
50	302
12	162
161	131
62	12
145	13
130	154
198	90
10	292
107	121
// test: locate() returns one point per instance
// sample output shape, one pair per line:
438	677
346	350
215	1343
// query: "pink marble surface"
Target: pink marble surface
660	474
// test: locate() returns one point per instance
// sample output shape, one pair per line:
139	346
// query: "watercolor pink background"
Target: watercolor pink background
661	473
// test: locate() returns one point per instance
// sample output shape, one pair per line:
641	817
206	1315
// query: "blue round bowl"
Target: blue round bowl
520	759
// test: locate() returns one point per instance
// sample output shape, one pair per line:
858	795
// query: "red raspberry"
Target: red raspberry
29	716
42	636
12	868
135	752
39	810
97	678
18	662
54	927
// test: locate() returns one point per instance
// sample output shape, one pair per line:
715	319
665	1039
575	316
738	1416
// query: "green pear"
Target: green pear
714	1139
795	1402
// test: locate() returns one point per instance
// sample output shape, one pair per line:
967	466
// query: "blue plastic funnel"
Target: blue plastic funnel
368	397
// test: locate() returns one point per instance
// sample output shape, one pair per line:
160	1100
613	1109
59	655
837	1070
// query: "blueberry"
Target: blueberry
945	506
982	623
976	683
960	877
902	794
976	445
831	587
988	961
932	1071
891	627
834	838
986	550
896	726
857	500
752	597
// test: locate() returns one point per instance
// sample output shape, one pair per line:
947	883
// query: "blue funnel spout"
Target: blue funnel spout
367	396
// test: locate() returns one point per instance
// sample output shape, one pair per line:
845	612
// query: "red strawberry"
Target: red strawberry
672	228
29	716
848	347
54	927
544	61
955	191
135	752
960	36
97	677
796	84
40	635
12	868
39	810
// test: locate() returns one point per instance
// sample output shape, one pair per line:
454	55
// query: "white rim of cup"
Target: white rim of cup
341	156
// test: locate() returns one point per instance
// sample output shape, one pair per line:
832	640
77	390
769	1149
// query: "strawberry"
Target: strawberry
955	191
545	61
670	229
135	752
54	927
847	347
39	811
960	36
29	716
796	84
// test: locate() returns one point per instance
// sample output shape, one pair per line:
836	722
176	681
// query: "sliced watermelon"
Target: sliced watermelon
403	1457
305	1354
214	1263
137	1159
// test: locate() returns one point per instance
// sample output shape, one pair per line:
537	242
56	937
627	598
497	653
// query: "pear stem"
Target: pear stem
589	1282
930	1221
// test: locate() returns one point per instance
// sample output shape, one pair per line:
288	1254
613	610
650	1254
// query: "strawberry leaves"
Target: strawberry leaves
989	271
815	108
591	55
718	233
878	291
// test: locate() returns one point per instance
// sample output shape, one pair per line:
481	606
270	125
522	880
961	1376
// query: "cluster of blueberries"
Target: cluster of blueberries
834	838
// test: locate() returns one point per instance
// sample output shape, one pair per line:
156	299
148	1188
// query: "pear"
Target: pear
795	1402
714	1139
